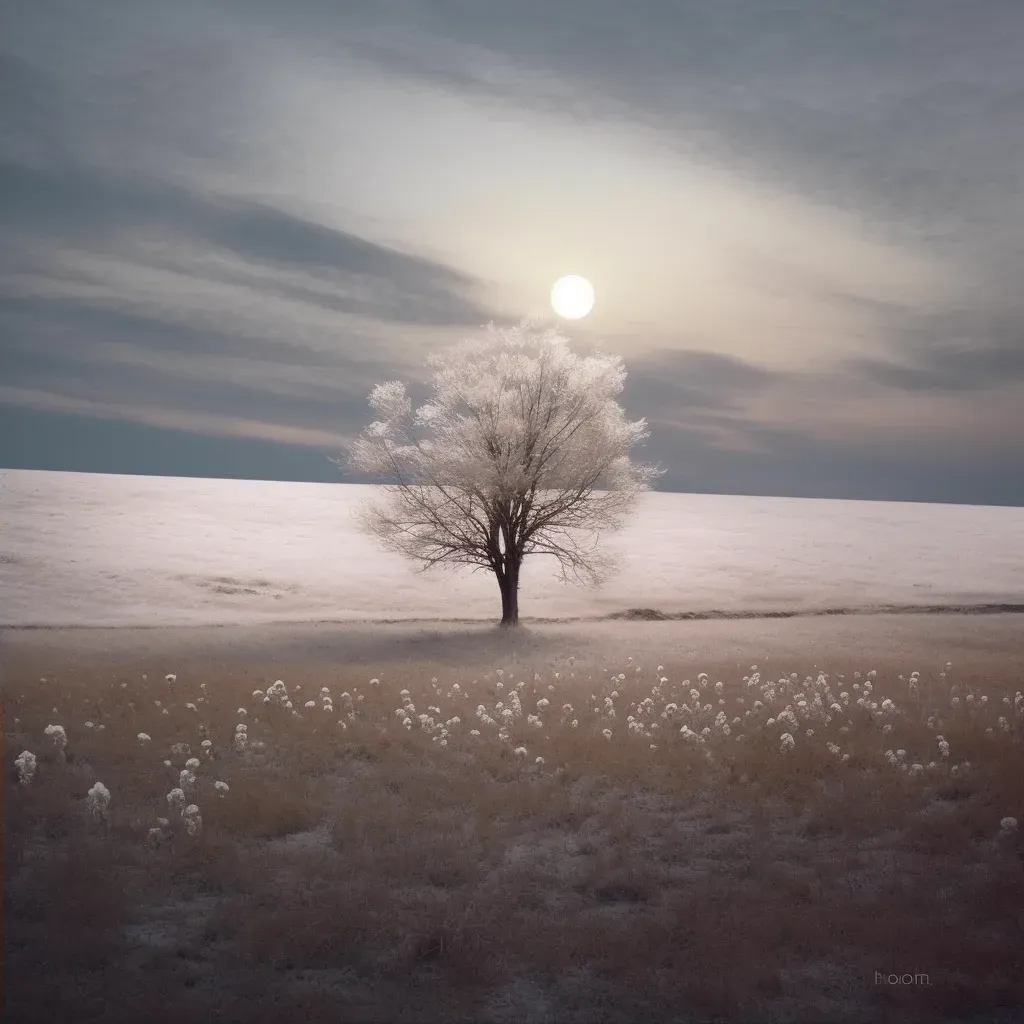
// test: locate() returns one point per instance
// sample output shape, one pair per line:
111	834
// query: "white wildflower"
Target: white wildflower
98	801
60	738
144	737
192	819
26	765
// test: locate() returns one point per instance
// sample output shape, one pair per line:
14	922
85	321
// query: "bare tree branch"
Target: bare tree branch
526	451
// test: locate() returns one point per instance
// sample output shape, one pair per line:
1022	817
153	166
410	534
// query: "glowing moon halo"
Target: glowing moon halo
572	297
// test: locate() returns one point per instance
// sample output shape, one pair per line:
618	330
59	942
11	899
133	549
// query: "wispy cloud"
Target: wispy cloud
171	419
77	206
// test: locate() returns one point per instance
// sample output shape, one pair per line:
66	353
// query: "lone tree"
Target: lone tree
523	449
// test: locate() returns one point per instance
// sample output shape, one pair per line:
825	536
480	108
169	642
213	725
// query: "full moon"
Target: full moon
572	297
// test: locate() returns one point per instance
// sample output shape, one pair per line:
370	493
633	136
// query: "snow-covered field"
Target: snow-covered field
101	550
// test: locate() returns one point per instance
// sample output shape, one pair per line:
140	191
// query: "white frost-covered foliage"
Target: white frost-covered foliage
522	449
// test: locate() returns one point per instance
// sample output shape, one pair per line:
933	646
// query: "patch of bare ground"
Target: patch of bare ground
359	868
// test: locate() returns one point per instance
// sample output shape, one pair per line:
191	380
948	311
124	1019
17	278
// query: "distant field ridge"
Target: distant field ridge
634	614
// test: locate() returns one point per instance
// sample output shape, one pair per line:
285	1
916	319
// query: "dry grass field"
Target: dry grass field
634	840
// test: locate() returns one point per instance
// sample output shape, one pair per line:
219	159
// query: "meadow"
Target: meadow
619	839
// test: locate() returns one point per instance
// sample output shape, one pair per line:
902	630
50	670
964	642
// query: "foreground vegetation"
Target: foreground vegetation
637	842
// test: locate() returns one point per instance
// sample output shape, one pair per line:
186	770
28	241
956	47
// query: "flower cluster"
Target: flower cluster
59	737
25	762
98	801
276	695
192	820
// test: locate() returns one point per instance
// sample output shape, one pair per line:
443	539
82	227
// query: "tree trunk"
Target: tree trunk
508	581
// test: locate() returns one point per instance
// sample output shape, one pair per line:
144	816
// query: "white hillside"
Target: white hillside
91	549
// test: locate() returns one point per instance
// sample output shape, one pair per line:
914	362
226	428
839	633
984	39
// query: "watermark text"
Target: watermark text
883	978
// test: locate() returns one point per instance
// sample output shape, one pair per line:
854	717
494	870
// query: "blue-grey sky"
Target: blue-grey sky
222	221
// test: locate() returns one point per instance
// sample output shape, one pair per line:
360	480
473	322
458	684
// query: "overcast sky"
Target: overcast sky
222	222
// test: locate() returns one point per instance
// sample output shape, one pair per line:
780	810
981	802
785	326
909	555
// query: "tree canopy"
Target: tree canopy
522	449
